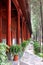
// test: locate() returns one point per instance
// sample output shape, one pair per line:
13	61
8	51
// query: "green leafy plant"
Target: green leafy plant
15	49
40	55
42	48
3	56
36	47
24	44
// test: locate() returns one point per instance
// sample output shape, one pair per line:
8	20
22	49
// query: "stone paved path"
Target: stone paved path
29	58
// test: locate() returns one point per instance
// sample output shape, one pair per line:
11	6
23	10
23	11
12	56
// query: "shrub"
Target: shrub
3	56
24	44
40	55
36	47
15	49
42	48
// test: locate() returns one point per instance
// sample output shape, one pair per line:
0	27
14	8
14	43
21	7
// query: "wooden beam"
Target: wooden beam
16	4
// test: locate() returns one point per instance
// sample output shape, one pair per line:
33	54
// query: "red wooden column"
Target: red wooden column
9	23
0	29
0	24
18	28
27	34
22	29
24	32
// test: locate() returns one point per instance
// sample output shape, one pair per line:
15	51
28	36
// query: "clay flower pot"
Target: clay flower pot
15	50
15	58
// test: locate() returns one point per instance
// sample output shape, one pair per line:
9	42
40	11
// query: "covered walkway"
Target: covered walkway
15	25
20	26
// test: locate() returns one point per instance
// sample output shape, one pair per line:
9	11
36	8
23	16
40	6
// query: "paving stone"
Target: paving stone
29	58
15	63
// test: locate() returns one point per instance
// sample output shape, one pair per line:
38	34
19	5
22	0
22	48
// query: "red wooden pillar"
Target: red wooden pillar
18	27
0	29
22	29
0	24
27	34
9	23
25	30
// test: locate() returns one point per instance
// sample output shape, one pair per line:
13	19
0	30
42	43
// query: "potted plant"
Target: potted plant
15	50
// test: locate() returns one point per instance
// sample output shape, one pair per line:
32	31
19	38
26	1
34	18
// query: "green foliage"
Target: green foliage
40	54
12	49
36	47
35	17
42	48
3	56
15	49
24	44
19	49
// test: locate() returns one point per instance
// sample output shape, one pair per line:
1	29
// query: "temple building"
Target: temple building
15	23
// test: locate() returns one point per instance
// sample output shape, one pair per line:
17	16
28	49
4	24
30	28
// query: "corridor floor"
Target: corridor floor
29	58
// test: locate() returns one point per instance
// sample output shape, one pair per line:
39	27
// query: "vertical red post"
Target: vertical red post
0	24
18	28
24	32
22	29
0	29
27	34
9	23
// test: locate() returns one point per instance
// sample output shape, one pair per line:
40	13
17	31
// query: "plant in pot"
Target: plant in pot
15	50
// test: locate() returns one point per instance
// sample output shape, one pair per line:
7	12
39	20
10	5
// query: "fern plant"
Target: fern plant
3	56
